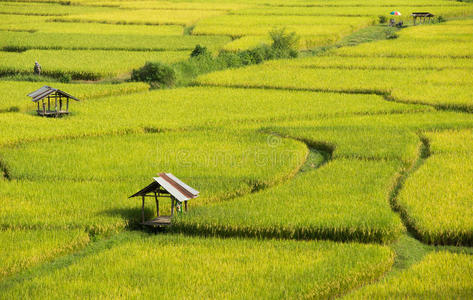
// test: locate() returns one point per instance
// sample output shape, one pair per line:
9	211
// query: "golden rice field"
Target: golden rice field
344	171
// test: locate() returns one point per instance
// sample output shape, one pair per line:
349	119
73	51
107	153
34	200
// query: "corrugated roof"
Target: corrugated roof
173	185
153	186
45	91
422	14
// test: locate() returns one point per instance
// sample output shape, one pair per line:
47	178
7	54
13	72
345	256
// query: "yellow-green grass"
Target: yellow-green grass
216	106
247	42
83	64
410	48
388	63
22	249
345	200
441	213
234	108
88	120
16	99
449	41
415	122
463	22
25	128
84	41
335	80
253	41
444	96
89	179
447	31
137	157
46	9
90	28
373	10
381	81
151	265
260	20
93	206
439	275
198	5
450	142
386	3
336	31
19	19
402	84
385	142
143	16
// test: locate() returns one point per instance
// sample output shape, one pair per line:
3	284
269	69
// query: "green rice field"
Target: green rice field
332	152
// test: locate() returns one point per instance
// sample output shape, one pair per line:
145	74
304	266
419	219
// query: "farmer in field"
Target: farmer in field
37	68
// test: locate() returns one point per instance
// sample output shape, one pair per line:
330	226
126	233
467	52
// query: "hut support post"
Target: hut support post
49	104
143	209
185	204
157	204
172	206
38	105
67	104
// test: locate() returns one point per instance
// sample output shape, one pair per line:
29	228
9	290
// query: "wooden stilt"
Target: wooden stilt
172	206
157	204
143	210
185	203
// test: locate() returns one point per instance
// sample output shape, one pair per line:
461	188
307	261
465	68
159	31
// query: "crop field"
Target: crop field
183	17
63	62
84	92
332	163
21	41
427	279
442	213
227	265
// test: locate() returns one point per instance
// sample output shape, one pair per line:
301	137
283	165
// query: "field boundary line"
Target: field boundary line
64	260
386	95
400	179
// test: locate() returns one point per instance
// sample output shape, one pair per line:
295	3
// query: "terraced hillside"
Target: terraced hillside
345	172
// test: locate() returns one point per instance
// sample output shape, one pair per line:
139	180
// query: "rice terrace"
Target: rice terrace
236	149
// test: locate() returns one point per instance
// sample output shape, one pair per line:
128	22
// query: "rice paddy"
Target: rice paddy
342	173
63	62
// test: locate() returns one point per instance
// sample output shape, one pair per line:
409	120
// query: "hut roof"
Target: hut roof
46	91
171	184
422	14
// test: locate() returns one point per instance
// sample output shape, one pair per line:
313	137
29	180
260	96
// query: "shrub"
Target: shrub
441	19
65	78
156	74
200	51
230	59
391	34
283	42
383	19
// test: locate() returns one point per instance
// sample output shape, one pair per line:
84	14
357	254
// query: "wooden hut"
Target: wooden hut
47	95
168	186
423	17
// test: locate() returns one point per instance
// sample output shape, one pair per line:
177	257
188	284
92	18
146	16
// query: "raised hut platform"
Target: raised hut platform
47	96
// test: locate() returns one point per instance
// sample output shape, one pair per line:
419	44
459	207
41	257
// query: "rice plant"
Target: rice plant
439	275
140	265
